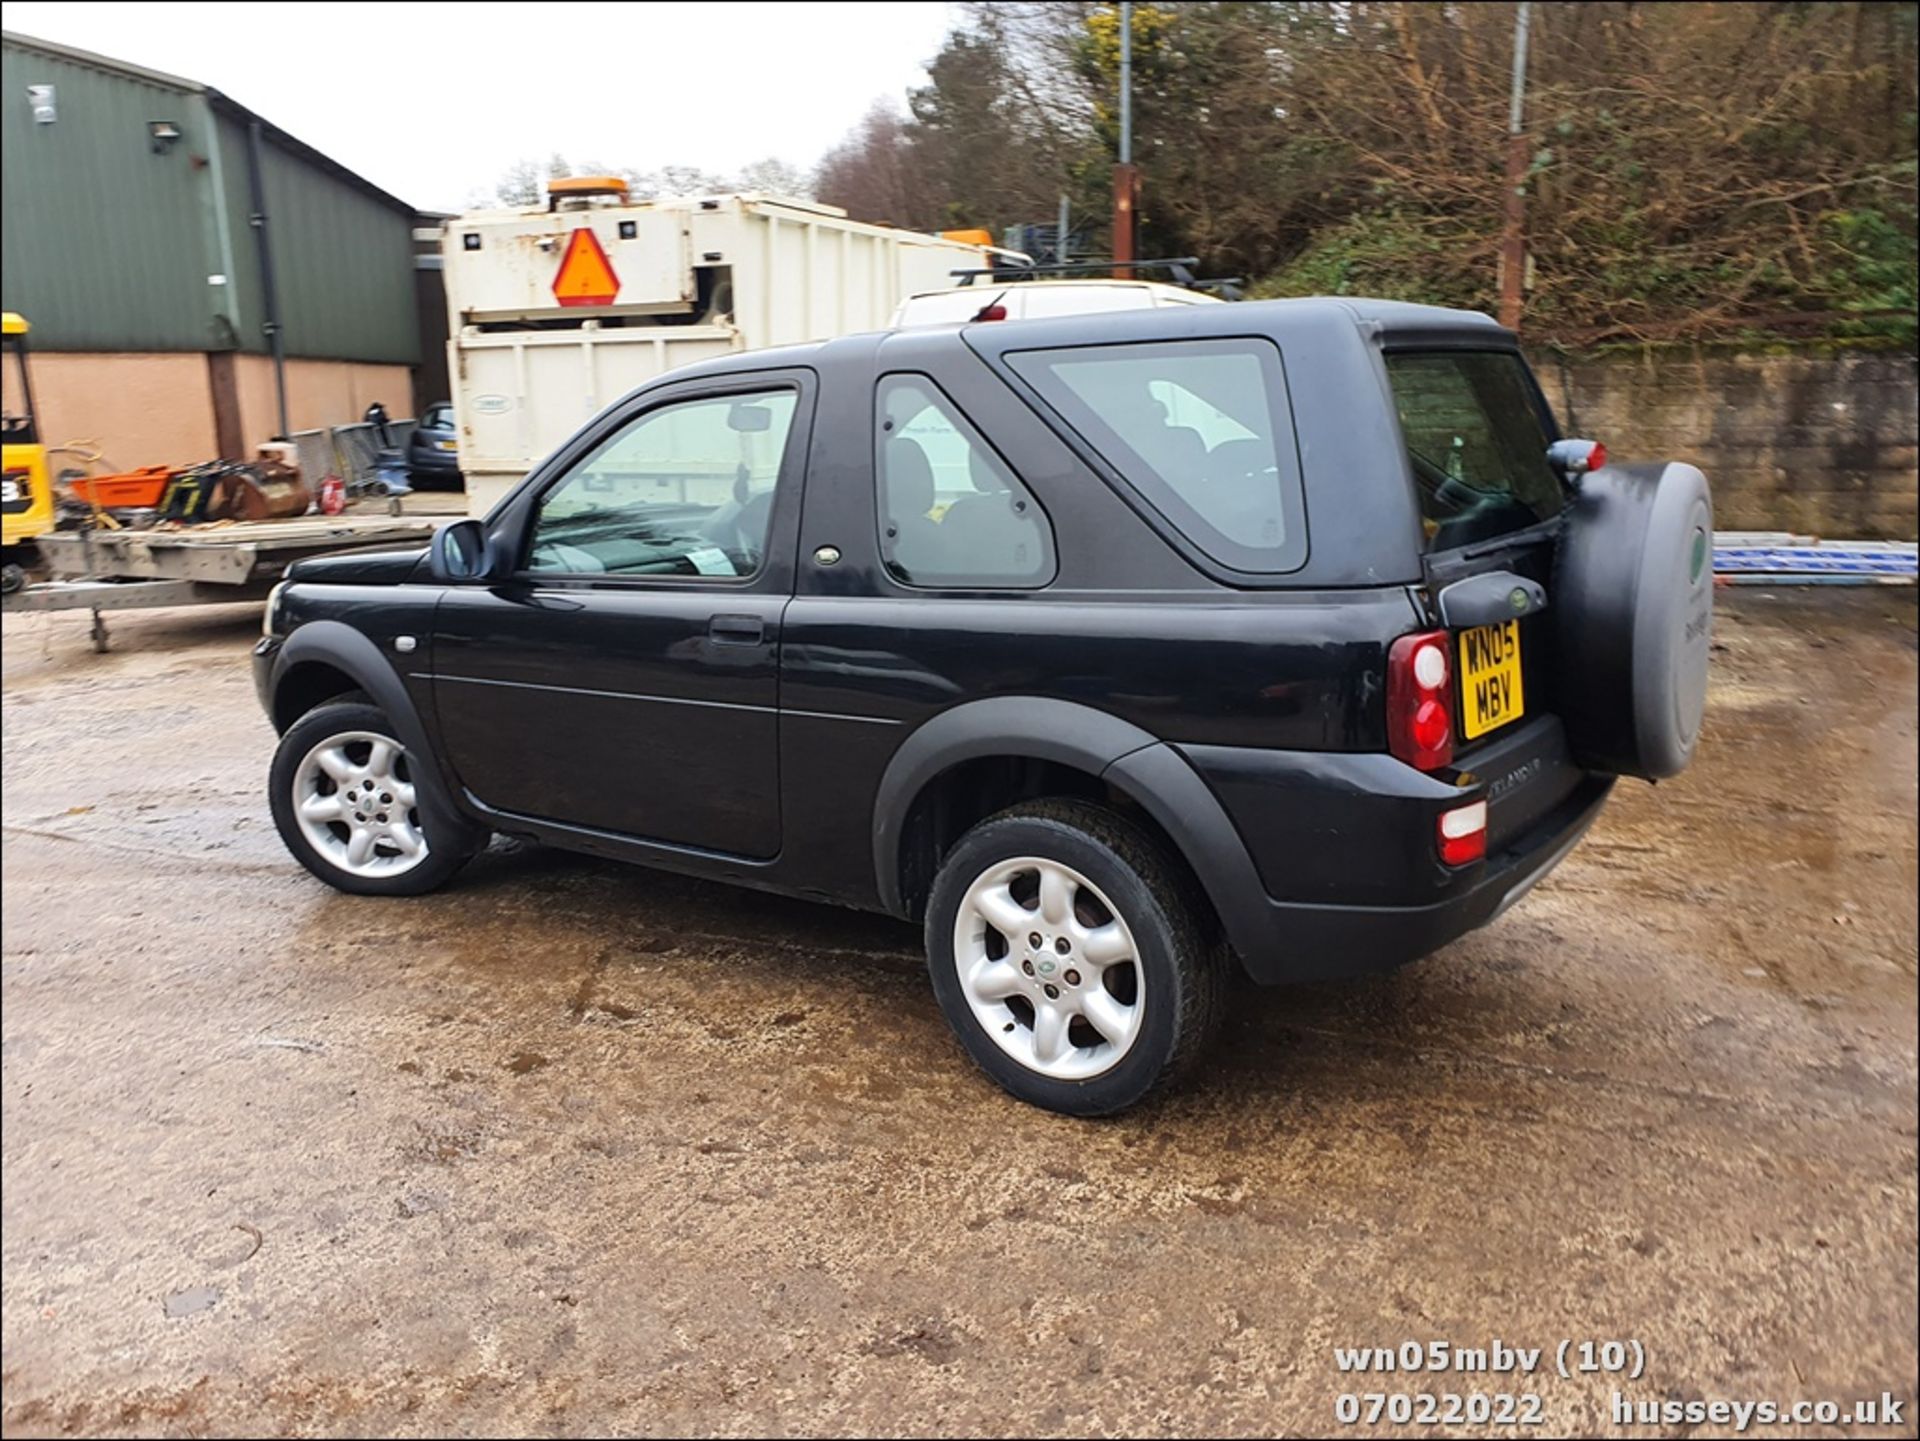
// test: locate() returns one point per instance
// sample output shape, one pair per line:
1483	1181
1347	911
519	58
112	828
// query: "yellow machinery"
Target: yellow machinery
26	496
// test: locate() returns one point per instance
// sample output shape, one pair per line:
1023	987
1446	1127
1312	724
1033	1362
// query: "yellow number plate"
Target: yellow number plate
1490	677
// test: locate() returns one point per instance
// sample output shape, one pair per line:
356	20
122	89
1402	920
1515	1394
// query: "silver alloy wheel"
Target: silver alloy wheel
1049	967
354	802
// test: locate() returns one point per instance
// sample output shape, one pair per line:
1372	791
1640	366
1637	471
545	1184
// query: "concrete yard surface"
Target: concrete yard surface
576	1148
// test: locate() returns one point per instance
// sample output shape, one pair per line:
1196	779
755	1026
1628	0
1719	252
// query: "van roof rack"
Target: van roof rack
1179	270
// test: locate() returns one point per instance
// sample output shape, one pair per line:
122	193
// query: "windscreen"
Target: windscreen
18	422
1477	444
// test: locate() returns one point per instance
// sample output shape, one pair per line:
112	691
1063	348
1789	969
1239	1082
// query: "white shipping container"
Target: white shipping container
675	281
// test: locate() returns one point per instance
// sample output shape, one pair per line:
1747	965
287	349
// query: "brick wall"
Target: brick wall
1823	444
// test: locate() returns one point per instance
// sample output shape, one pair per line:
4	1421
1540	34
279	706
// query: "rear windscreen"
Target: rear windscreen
1477	443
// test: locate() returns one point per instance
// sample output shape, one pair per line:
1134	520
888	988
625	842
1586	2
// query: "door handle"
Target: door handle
737	630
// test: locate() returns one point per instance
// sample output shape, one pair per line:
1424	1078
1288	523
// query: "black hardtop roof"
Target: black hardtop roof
1321	326
1387	319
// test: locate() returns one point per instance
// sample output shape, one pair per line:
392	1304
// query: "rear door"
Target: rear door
1477	430
624	678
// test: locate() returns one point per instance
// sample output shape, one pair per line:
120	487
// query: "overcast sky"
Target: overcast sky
433	101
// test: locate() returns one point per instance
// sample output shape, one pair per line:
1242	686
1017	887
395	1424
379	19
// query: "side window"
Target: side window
1200	429
683	490
951	512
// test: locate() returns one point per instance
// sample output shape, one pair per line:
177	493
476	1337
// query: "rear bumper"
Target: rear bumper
1344	848
434	462
1306	942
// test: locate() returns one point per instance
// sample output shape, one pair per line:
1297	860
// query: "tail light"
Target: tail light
992	312
1463	834
1420	700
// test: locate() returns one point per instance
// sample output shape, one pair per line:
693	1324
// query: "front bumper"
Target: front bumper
265	651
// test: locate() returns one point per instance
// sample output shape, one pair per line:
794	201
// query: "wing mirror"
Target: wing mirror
1574	458
749	419
460	554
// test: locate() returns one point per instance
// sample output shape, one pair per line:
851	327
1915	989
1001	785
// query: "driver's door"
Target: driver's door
624	677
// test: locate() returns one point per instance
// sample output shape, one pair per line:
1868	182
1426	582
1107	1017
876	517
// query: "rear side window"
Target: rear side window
1200	429
1476	442
952	513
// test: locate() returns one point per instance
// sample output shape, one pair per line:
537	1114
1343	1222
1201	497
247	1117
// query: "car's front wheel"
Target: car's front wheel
1069	955
345	797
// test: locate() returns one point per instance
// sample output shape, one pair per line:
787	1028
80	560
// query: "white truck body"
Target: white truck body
683	280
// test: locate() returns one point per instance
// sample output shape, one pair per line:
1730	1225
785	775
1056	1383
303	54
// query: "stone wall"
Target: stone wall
1823	444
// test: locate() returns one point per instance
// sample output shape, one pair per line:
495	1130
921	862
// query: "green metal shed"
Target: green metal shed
127	210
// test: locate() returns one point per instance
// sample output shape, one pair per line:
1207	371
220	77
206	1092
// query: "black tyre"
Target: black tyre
342	788
1068	952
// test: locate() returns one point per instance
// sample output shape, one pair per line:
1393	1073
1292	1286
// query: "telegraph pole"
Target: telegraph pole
1126	180
1513	234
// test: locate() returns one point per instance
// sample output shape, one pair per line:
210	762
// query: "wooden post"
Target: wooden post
1126	197
223	388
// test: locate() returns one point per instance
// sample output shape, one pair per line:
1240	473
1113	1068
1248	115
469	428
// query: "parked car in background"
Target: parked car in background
433	450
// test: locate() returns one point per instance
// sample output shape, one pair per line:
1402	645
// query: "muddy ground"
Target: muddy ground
576	1148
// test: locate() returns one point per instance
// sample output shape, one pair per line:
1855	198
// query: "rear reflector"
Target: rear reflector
1463	834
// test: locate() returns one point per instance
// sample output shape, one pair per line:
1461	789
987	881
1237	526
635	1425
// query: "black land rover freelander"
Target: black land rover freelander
1116	649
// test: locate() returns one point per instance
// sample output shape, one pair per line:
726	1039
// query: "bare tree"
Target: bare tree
524	182
1697	170
873	175
774	176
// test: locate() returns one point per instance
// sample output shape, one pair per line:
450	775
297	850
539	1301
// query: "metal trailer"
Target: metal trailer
561	310
102	570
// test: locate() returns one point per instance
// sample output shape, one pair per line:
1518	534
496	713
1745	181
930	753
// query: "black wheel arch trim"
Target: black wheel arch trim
1170	790
1147	770
338	645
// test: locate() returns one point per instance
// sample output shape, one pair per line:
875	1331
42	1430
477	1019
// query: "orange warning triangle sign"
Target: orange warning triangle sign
586	275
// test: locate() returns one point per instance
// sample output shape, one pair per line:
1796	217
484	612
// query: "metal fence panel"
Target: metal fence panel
348	451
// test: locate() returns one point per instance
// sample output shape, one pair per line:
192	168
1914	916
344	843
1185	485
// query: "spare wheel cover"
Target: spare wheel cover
1634	592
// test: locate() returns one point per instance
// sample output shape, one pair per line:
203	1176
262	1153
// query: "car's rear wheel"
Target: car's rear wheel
345	797
1068	953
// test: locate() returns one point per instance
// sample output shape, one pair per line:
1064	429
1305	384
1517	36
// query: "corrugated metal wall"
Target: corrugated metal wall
110	246
343	261
103	243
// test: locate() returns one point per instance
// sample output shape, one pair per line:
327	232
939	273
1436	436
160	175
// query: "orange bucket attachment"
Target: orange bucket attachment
132	488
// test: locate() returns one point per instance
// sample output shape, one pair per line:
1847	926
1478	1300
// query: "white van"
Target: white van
1028	299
